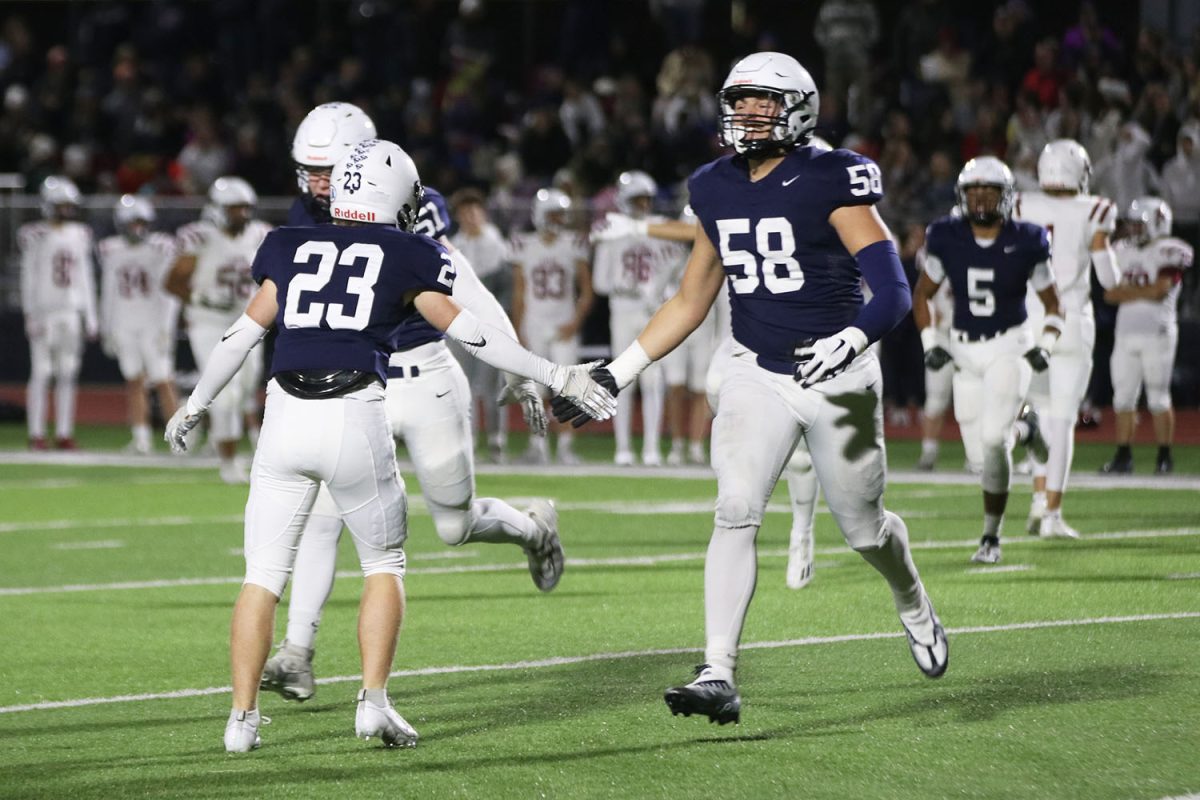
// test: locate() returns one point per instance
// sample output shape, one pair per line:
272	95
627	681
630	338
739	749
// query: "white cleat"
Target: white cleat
289	673
568	457
652	459
1037	511
624	459
546	560
988	552
800	560
1055	527
241	731
371	720
675	458
932	656
234	472
696	454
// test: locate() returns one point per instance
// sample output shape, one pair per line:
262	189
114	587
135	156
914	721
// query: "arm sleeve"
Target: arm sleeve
471	294
492	346
891	296
226	359
88	274
1104	262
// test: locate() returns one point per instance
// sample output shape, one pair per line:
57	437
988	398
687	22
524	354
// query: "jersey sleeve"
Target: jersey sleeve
434	218
264	259
191	238
851	179
1102	218
1040	241
931	259
428	265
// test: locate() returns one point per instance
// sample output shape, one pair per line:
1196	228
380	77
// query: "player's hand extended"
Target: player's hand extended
827	357
525	392
617	226
937	357
565	410
179	426
1038	358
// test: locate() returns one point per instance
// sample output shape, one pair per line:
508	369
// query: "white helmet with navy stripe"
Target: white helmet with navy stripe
376	182
1064	164
986	171
780	77
631	185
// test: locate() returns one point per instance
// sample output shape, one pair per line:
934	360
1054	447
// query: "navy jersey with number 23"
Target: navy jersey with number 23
790	277
341	292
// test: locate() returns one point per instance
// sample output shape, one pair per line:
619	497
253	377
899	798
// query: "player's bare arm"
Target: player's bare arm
1104	260
858	227
179	279
923	294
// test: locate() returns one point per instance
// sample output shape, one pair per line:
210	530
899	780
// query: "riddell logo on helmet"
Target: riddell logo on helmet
353	214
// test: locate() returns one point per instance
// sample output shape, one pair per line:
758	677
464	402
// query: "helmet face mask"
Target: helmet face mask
1149	218
376	183
768	105
327	134
133	216
975	202
635	193
60	198
231	203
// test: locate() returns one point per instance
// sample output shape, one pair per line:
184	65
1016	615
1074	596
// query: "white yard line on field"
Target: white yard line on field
621	561
567	660
1001	568
104	544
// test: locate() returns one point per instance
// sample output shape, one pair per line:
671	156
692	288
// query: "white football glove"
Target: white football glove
525	392
179	426
617	226
575	384
826	357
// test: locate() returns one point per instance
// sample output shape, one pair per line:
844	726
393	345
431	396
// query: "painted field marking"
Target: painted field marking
558	661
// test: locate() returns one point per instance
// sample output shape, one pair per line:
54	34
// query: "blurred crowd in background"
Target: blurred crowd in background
509	96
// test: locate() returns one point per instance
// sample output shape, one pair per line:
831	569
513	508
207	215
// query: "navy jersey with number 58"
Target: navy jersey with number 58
988	282
790	277
341	292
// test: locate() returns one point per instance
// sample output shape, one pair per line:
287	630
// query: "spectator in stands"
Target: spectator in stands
1127	173
205	157
846	30
1044	77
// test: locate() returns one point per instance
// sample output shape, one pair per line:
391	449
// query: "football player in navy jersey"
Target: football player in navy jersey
989	259
328	132
337	294
428	404
791	231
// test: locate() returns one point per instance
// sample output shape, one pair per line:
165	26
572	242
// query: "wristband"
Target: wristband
627	366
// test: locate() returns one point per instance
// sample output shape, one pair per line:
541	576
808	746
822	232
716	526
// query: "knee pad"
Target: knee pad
452	524
1158	399
892	527
735	511
272	577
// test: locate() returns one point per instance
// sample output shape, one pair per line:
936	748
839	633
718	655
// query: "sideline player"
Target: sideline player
1152	263
335	293
58	299
1079	225
429	406
793	230
552	295
631	272
212	277
138	318
988	259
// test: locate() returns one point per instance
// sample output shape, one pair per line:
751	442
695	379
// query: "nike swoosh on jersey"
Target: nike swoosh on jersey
481	343
1010	248
443	394
226	336
790	180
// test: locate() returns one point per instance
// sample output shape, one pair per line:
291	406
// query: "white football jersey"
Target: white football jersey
132	296
636	271
56	269
221	281
551	273
1142	266
1072	222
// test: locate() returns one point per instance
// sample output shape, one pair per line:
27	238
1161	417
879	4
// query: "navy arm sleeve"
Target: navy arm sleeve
891	296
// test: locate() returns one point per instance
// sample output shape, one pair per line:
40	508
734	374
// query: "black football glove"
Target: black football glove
1038	358
937	357
566	411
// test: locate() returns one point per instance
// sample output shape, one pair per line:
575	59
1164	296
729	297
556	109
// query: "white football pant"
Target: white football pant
1058	392
1139	361
624	328
55	352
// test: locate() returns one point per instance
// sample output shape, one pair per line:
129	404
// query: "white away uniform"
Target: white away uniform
138	316
550	272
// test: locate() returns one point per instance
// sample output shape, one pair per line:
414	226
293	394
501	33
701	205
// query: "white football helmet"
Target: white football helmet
376	182
1155	216
549	210
780	77
327	134
130	209
56	191
633	184
1064	164
228	191
986	171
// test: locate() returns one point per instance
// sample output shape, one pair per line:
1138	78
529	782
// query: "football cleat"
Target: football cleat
1118	466
714	697
624	458
651	458
289	673
37	443
533	455
568	457
696	454
65	443
1032	440
1164	466
546	559
234	472
928	461
136	448
932	658
988	552
1055	527
800	560
371	720
1037	510
675	458
241	731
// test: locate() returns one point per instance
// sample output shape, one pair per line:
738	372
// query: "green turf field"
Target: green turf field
1073	673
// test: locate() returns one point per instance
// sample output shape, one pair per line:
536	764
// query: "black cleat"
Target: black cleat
1164	466
1118	466
716	699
